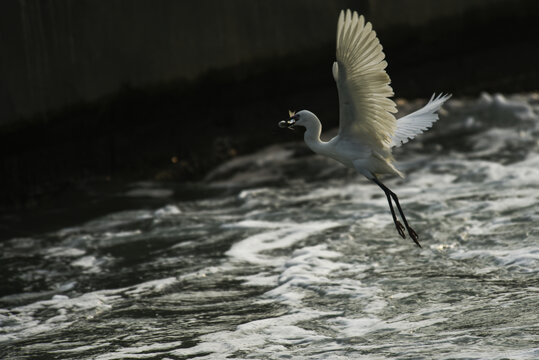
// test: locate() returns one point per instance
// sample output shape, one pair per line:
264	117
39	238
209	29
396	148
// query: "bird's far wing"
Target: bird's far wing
363	84
411	125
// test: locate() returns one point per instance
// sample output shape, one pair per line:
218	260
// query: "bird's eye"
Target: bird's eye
296	117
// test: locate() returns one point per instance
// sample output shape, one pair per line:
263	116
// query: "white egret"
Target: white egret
367	130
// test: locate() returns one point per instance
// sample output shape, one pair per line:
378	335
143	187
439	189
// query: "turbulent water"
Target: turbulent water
288	255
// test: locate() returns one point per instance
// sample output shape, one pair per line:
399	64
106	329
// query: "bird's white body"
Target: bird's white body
348	152
368	130
369	160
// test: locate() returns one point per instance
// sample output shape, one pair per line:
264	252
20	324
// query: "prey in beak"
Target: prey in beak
290	122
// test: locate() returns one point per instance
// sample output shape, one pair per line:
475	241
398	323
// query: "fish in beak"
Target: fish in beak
290	122
287	123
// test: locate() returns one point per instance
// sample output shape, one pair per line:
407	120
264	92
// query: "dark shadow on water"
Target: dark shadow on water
71	160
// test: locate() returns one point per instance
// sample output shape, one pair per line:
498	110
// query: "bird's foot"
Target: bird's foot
413	235
400	229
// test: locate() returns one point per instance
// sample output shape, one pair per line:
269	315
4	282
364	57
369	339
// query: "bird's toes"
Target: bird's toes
400	229
413	235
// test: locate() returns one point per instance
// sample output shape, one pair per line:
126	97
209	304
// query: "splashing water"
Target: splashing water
297	257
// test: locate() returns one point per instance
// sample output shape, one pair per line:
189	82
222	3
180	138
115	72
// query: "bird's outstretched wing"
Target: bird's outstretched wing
363	84
411	125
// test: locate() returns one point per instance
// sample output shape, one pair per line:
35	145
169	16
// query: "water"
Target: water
290	255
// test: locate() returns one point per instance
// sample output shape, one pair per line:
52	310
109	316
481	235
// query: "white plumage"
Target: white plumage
364	91
367	128
411	125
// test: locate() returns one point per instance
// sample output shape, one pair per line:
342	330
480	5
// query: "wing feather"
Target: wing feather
363	84
411	125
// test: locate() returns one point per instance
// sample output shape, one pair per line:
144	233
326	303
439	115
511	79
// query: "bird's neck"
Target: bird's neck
312	136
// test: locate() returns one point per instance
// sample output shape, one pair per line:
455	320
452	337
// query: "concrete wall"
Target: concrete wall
58	52
385	13
55	53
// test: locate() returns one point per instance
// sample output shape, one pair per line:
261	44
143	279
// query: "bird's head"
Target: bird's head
300	118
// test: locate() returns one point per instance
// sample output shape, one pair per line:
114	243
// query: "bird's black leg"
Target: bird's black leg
398	225
411	231
390	194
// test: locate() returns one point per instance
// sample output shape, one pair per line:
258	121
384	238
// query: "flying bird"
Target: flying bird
367	128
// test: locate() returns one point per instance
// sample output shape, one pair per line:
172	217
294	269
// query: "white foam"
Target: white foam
112	221
151	286
251	249
501	353
90	263
307	269
21	243
61	251
24	324
141	352
254	224
27	320
355	327
120	234
527	258
261	279
81	349
169	210
267	337
85	262
503	108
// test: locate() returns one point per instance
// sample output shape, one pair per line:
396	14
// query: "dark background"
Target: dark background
95	94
